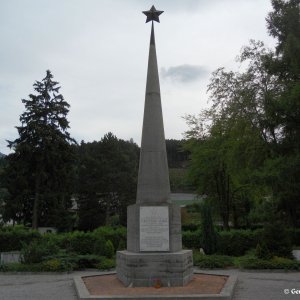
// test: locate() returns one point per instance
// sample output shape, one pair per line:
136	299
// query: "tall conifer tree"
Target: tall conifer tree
43	156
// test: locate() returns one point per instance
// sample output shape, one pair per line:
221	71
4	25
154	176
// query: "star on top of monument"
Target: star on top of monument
152	14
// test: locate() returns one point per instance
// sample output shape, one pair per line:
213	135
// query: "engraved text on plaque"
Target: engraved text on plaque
154	228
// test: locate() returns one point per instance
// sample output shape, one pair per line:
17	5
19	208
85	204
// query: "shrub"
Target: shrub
106	264
56	265
294	234
109	249
208	233
20	267
191	239
13	237
212	261
262	251
37	250
237	242
277	241
112	234
122	245
80	242
99	246
190	227
87	261
251	262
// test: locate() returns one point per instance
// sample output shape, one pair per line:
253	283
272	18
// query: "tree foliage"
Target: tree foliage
106	180
245	148
39	173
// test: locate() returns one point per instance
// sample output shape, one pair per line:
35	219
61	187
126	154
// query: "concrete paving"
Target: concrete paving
258	285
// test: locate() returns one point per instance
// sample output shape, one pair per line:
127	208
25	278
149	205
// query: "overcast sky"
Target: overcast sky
97	50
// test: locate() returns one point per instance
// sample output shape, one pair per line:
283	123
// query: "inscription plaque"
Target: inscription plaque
154	228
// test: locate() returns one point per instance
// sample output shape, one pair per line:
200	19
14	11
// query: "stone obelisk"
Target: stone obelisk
154	248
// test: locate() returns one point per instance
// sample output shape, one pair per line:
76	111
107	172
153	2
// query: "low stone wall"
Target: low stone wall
10	257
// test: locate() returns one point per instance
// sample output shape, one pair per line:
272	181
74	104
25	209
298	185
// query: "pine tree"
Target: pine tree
43	154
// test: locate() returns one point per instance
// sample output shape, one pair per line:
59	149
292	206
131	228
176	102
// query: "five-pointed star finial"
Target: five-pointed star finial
152	14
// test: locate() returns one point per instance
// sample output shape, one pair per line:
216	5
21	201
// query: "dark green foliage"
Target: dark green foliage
177	155
191	239
212	261
294	234
122	245
40	171
208	233
245	149
252	262
14	237
190	227
106	264
37	250
262	251
109	249
237	242
99	245
277	240
107	176
115	235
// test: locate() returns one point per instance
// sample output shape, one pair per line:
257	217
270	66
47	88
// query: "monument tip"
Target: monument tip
152	14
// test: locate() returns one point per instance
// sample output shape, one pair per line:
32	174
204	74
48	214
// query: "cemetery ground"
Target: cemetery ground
259	285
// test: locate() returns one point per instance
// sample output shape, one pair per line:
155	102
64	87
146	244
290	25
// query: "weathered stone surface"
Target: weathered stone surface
133	228
10	257
167	261
143	269
153	178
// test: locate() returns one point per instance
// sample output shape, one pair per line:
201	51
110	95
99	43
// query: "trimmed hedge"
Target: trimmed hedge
212	261
252	262
12	238
237	242
233	242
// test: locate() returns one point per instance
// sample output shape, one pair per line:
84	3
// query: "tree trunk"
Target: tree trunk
35	213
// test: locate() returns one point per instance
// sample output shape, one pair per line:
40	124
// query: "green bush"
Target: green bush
112	234
122	245
294	234
109	249
13	237
277	240
99	246
208	232
262	251
37	250
251	262
20	267
106	264
56	265
80	242
190	227
191	239
212	261
237	242
87	261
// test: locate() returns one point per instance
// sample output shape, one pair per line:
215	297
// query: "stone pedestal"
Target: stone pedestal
167	263
145	269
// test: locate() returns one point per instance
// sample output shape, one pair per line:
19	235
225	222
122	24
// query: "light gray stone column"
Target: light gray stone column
153	178
154	246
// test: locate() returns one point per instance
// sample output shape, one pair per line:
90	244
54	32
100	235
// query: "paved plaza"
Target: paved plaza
258	285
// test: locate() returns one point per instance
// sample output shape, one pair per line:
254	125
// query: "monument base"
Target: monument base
149	269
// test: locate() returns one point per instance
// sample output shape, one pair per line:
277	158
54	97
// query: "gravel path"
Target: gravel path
251	285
